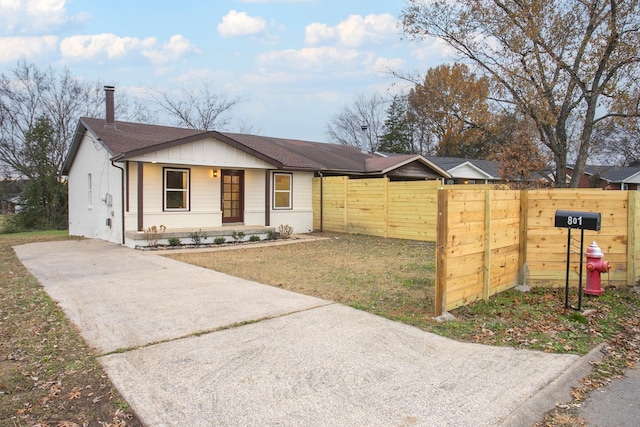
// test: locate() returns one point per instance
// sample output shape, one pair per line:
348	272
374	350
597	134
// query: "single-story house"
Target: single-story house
468	171
127	177
608	177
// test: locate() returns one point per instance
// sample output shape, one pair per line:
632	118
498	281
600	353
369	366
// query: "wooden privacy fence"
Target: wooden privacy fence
377	207
488	240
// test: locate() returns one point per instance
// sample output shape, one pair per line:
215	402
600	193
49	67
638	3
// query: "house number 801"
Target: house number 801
574	220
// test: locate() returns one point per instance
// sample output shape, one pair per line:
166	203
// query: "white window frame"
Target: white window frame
289	190
186	190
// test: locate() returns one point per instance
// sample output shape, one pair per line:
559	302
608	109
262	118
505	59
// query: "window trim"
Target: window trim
187	190
276	191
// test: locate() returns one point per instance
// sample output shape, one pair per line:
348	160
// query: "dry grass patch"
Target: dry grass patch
390	277
48	374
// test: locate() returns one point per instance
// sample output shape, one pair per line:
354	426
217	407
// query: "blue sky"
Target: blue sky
295	63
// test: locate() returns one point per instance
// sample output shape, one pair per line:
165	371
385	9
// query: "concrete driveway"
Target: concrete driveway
190	346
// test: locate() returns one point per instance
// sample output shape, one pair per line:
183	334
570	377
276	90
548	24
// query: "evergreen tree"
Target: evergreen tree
398	132
43	203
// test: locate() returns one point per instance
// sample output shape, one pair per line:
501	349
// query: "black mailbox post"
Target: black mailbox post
581	221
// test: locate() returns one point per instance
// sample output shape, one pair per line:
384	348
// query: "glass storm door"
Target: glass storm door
232	196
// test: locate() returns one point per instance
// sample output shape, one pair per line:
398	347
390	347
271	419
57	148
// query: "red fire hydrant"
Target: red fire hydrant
595	266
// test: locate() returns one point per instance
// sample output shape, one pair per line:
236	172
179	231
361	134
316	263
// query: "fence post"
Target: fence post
524	232
631	236
386	207
487	245
345	193
442	228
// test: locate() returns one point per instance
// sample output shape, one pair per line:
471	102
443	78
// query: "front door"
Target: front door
232	196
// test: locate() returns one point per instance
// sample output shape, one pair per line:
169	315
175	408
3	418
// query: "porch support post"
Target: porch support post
140	197
267	198
126	187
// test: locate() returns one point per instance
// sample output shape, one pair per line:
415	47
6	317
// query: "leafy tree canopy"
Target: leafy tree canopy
570	66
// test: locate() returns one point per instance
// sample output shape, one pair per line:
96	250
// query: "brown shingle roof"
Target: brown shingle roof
134	136
305	154
128	140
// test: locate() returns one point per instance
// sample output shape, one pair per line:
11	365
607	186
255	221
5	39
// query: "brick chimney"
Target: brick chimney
110	117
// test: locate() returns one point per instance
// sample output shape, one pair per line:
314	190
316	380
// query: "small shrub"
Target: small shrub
198	237
219	240
285	231
153	234
272	235
238	236
254	238
174	241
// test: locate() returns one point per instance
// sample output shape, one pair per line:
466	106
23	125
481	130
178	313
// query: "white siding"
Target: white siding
254	197
468	171
209	151
204	193
301	216
89	218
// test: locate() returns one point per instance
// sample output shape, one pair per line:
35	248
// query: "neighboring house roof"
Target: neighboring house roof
125	140
468	168
384	164
614	174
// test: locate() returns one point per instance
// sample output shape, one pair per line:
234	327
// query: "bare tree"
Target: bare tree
200	108
29	94
558	62
364	119
616	145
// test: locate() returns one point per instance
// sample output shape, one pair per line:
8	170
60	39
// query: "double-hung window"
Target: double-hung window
176	189
282	191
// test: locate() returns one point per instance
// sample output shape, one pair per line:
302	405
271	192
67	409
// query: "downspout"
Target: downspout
321	200
121	197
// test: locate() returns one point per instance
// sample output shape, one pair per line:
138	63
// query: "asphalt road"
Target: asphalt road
617	405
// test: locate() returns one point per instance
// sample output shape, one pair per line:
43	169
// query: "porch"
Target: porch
137	238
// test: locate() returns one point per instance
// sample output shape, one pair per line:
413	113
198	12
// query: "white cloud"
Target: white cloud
14	48
436	50
110	46
177	48
83	47
355	31
27	16
320	58
240	24
384	65
317	32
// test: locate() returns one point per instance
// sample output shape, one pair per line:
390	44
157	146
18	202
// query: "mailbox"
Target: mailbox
579	220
